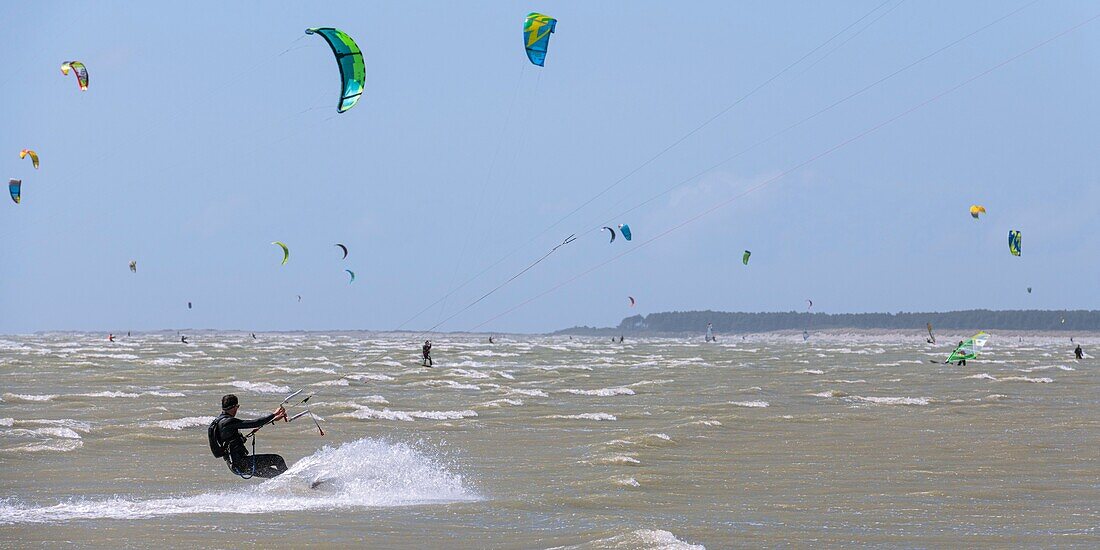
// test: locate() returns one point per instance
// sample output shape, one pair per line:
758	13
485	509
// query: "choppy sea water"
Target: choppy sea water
541	442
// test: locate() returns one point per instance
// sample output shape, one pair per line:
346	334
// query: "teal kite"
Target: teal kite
1014	242
536	36
286	251
352	273
13	188
353	72
745	257
624	229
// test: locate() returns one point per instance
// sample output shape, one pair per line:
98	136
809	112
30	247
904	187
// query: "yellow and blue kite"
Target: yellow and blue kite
353	72
536	36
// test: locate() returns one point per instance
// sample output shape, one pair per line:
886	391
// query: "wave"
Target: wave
259	387
640	539
830	393
369	376
605	392
1045	367
986	376
359	474
306	369
810	371
751	404
584	416
183	423
892	400
367	413
530	393
497	403
337	382
29	397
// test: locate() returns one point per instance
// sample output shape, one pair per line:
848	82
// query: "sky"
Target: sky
210	130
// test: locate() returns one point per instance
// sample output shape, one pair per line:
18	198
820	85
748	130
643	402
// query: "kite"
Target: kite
975	210
811	304
352	273
625	230
188	305
969	348
612	234
286	251
345	249
745	257
299	298
79	70
34	156
1014	242
1029	290
631	301
133	266
353	72
536	36
13	188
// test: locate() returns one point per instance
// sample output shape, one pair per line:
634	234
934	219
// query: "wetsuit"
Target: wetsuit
240	461
1078	353
427	349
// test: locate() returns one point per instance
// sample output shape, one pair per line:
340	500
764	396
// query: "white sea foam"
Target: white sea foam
617	459
369	376
183	423
497	403
29	397
259	387
306	369
830	393
359	474
604	392
892	400
337	382
467	373
584	416
1045	367
811	371
367	413
627	482
530	393
750	404
641	539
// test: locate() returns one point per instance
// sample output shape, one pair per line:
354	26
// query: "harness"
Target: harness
221	449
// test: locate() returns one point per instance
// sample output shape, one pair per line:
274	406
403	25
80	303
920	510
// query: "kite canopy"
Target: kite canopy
79	70
286	251
745	257
34	156
13	188
188	305
625	230
975	210
353	72
536	36
631	301
612	234
345	249
809	304
970	348
1014	242
1029	290
352	273
133	266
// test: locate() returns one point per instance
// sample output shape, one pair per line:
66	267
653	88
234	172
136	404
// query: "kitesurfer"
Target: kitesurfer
620	338
225	434
110	337
426	349
1078	353
490	339
962	360
183	339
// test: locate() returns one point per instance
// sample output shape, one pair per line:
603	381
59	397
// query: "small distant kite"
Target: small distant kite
809	304
286	251
14	187
536	36
34	156
975	210
625	230
1029	290
352	273
345	249
299	298
79	70
745	257
632	302
1014	242
353	72
188	305
133	266
612	234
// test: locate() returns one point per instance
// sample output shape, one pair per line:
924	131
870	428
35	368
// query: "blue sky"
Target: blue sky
210	130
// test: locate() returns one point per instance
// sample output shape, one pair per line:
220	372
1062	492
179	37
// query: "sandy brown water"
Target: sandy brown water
538	442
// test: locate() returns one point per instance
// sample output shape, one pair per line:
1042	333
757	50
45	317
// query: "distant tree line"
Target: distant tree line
733	322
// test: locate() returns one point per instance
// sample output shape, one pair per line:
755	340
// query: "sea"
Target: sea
846	439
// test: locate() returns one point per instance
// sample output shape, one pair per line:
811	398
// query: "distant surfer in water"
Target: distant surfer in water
962	360
183	339
1079	353
490	338
253	335
426	349
110	337
225	435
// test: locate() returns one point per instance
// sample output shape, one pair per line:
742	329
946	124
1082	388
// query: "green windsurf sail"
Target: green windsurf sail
970	348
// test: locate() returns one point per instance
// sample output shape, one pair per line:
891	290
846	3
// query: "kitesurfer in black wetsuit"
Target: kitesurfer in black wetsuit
962	361
427	351
229	437
1079	353
184	339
